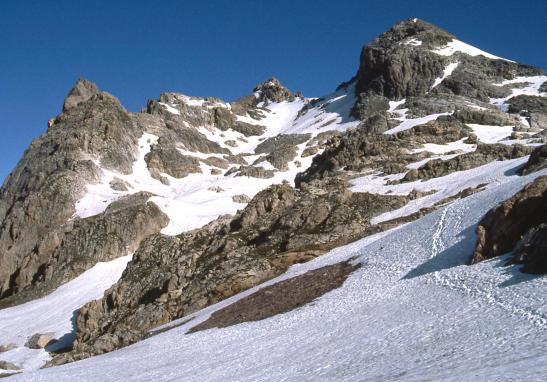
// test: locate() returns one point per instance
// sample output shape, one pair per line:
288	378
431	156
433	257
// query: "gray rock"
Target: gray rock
118	184
9	366
242	198
167	159
39	196
40	341
8	347
81	92
272	90
536	162
397	70
251	171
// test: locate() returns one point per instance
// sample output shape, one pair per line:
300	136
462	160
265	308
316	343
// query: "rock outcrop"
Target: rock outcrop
39	196
523	216
536	162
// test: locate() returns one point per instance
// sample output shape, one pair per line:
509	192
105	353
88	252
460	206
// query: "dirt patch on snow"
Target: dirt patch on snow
281	297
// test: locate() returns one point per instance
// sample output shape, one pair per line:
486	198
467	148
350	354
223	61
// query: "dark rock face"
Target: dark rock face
281	149
393	67
533	108
82	243
531	251
536	162
251	171
530	104
492	117
360	149
504	225
401	63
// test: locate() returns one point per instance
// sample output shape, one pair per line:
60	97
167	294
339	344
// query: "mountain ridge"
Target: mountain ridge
216	197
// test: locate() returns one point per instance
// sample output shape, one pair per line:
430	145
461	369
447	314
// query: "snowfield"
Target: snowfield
54	313
414	311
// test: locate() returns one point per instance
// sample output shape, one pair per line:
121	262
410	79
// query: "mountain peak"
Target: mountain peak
272	90
422	32
81	91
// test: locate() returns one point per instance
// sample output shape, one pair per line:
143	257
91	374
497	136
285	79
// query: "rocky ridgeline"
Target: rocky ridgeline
40	232
402	77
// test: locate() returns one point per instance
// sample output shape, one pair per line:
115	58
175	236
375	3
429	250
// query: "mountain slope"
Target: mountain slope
414	311
213	198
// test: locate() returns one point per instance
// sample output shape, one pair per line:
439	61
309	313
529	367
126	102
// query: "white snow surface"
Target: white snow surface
414	311
491	134
54	313
491	174
460	46
411	122
447	72
413	42
189	202
532	85
446	148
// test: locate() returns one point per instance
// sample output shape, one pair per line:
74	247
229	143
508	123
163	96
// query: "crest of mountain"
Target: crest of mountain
212	198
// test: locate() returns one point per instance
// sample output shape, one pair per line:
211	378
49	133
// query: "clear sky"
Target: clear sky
138	49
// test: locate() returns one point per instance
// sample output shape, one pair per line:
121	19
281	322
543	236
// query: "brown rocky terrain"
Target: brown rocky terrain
517	223
280	298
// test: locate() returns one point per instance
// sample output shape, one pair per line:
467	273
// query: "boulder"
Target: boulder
40	341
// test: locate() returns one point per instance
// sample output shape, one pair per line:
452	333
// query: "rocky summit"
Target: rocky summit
198	213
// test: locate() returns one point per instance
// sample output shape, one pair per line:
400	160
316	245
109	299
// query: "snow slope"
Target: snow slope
455	46
413	312
490	174
54	313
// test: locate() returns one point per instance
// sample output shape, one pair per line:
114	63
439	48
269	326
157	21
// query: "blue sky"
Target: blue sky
138	49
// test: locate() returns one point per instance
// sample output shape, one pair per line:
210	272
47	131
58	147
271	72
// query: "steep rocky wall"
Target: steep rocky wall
39	195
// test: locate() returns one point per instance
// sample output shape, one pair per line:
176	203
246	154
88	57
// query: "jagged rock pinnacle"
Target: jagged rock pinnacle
81	92
273	90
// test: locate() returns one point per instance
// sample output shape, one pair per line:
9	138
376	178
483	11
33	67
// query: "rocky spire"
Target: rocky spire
80	92
272	90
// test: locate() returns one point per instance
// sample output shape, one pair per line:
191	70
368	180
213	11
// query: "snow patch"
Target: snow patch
460	46
532	88
491	134
410	123
447	71
170	108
